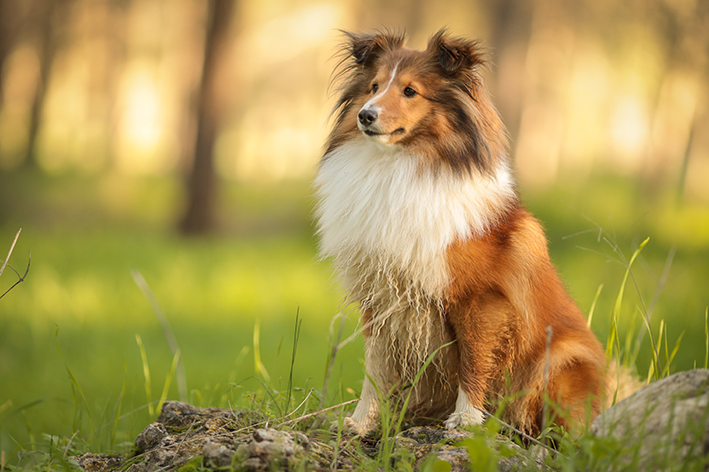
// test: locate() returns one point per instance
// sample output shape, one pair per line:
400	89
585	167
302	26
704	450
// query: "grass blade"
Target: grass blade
20	278
74	388
660	284
119	405
296	337
258	365
706	337
168	380
166	329
146	375
657	369
674	351
12	248
630	354
593	305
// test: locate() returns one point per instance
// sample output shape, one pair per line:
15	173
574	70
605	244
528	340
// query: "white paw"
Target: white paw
360	428
464	418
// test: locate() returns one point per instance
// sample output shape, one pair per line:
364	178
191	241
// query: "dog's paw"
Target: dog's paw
464	418
359	428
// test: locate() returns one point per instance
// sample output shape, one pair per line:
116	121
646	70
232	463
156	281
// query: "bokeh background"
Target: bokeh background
178	138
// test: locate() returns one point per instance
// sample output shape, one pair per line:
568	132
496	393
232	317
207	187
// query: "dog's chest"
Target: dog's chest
381	216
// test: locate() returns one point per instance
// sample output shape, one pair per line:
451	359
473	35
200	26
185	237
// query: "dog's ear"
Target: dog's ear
365	48
455	54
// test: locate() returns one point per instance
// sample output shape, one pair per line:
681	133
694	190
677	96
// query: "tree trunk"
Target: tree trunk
9	19
201	184
46	48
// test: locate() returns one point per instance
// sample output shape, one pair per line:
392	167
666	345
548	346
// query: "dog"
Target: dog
418	208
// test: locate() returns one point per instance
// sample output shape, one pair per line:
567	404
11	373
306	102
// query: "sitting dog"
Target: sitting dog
418	208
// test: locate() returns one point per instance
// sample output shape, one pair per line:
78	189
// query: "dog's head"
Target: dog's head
429	101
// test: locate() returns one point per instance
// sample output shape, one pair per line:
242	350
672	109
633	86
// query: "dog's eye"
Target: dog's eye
375	87
409	92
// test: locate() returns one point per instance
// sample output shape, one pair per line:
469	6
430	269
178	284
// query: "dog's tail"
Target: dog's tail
621	382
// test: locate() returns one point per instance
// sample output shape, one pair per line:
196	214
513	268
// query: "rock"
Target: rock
223	438
424	440
270	448
665	424
182	433
446	445
183	415
431	435
175	413
151	437
217	455
97	462
218	439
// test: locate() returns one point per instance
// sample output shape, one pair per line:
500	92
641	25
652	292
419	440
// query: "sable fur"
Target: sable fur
419	211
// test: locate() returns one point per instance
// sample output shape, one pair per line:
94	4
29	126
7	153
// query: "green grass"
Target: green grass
69	359
80	297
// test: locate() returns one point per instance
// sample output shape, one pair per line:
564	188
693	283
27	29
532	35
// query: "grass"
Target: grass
75	377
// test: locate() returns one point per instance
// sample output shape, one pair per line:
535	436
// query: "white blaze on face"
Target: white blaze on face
371	103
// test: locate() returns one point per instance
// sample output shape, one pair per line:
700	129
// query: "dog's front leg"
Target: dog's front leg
365	416
478	326
465	414
378	364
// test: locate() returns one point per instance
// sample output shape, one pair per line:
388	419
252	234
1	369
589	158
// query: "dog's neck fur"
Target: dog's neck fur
383	215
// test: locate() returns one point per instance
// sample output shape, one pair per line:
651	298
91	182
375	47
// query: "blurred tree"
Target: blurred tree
9	29
109	29
684	30
509	36
43	21
201	183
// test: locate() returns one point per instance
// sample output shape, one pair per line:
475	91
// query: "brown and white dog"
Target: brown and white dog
418	208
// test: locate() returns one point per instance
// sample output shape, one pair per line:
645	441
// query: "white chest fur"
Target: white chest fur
380	213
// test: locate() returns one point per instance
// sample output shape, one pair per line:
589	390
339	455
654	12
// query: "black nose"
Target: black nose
367	117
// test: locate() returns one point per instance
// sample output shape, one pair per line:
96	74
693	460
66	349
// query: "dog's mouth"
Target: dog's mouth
374	133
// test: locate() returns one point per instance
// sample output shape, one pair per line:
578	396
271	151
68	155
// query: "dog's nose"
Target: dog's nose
367	116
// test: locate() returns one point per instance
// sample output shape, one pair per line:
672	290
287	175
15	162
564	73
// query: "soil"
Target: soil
186	437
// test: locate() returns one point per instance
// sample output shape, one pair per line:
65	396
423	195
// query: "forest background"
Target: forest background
174	142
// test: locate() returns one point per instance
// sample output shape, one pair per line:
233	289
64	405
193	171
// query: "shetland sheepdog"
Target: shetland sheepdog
418	208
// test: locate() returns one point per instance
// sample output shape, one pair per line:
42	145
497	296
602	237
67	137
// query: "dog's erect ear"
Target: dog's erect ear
455	54
365	48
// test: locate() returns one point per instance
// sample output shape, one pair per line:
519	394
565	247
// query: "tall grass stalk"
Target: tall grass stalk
613	335
333	353
76	387
646	313
652	369
706	337
168	380
5	263
296	336
258	365
632	350
669	357
9	253
167	331
658	290
119	404
613	341
593	305
146	375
